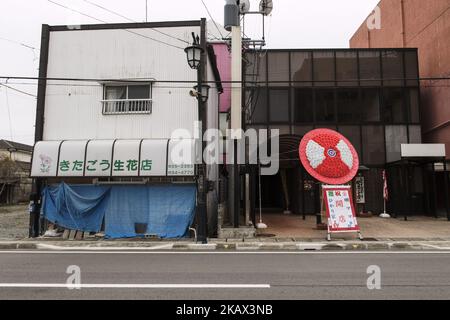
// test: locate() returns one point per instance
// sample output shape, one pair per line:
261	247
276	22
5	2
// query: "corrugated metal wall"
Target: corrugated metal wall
73	110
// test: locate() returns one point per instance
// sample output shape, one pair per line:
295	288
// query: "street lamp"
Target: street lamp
194	55
195	58
203	92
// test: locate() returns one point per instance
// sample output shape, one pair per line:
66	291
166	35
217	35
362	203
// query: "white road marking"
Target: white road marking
135	286
225	252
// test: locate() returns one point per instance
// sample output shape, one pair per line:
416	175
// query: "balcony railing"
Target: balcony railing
127	106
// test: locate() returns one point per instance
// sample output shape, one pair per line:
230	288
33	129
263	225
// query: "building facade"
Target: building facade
371	96
424	25
115	105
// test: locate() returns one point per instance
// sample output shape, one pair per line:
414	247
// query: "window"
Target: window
370	105
303	106
127	99
301	69
392	62
258	112
348	105
279	105
413	104
324	68
255	68
369	68
346	68
393	105
353	134
278	68
325	106
395	137
373	145
415	134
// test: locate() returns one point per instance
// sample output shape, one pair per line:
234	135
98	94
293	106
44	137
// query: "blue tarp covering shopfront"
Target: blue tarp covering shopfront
166	211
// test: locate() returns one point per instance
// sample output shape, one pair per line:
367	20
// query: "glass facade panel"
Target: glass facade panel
255	68
370	105
301	130
259	105
324	68
279	105
302	105
411	68
348	105
392	62
346	68
413	105
373	145
395	137
353	134
415	134
394	105
324	99
278	69
301	69
369	68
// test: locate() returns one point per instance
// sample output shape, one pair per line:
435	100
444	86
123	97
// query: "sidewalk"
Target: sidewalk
226	245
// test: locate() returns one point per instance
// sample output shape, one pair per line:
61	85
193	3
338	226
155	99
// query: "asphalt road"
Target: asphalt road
225	276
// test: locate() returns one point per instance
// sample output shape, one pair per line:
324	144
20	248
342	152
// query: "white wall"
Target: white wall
74	111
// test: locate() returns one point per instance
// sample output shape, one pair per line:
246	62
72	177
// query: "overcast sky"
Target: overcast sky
293	24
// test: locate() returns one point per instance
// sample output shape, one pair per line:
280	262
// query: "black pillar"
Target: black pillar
202	182
446	190
35	197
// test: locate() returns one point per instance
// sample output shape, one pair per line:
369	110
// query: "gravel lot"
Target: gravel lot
14	222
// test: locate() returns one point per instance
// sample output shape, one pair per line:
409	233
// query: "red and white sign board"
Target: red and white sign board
340	210
328	156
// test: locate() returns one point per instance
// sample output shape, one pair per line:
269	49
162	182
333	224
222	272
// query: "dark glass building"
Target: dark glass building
371	96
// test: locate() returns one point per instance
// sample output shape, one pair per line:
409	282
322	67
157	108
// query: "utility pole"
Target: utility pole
233	24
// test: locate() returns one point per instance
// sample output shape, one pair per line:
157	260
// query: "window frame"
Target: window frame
146	104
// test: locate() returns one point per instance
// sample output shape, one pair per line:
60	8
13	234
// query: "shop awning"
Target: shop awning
423	150
115	158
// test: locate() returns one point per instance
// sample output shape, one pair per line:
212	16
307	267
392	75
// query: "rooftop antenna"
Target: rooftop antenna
146	10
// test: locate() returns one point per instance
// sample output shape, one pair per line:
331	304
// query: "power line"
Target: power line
131	20
17	90
210	15
20	44
133	32
140	80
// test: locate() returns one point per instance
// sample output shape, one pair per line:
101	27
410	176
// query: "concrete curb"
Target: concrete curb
225	246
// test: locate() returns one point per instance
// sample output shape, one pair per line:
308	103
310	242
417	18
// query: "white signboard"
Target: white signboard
181	161
126	158
360	190
45	159
153	158
114	158
98	158
340	211
71	158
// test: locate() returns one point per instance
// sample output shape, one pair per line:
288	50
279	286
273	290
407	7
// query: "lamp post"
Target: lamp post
194	55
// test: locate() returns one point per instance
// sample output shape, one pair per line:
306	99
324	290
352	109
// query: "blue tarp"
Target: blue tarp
75	207
168	210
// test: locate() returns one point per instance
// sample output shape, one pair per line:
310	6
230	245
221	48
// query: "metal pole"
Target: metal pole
446	190
202	179
146	10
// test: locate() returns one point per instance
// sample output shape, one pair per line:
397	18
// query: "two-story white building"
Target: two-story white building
115	113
